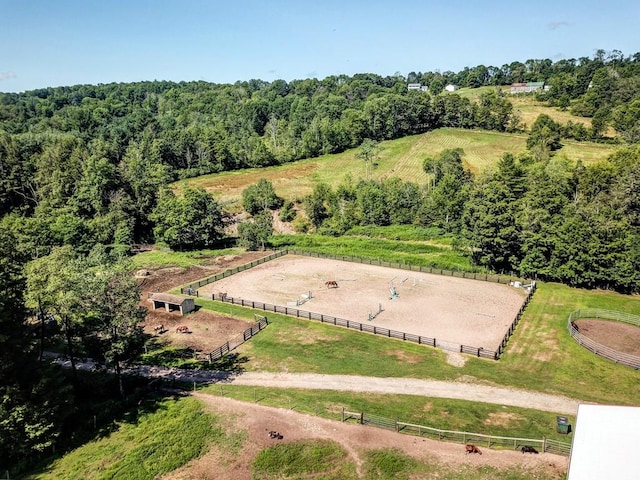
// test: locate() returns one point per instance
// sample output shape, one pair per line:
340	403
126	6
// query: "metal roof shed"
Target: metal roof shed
605	443
172	302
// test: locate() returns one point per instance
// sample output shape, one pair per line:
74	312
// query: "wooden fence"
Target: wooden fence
597	348
239	340
479	439
362	327
514	324
192	289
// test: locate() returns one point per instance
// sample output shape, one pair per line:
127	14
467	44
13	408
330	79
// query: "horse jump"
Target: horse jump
331	284
182	329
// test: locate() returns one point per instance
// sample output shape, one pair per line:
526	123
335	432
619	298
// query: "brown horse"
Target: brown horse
472	449
528	449
182	329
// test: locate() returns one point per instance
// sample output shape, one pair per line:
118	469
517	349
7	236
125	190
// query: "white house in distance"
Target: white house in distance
529	87
417	86
451	88
605	443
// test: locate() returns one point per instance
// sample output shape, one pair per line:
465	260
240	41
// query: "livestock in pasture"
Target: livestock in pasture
472	449
528	449
182	329
331	284
159	329
275	435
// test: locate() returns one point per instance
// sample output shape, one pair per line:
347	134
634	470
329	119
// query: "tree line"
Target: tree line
87	166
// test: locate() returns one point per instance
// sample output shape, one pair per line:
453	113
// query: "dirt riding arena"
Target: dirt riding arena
461	311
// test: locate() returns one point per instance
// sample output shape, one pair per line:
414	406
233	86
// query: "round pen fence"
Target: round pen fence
597	348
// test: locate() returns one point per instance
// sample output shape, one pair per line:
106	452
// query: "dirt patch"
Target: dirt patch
622	337
501	419
456	359
207	330
254	421
405	356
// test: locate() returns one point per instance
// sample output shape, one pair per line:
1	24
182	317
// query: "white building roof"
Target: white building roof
605	443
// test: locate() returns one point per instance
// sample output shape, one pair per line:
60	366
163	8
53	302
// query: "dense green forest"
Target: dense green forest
84	171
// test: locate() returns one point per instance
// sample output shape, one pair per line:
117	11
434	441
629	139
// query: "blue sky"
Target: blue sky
70	42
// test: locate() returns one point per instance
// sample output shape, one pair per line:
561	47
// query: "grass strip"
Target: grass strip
440	413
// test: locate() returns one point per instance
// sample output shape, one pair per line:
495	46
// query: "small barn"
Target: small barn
172	303
605	443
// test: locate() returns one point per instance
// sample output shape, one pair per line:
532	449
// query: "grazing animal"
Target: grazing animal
158	328
331	284
182	329
528	449
275	435
472	449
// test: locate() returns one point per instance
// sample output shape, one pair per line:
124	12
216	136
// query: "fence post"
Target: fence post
544	444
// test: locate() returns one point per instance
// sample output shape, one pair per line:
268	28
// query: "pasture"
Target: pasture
455	311
400	158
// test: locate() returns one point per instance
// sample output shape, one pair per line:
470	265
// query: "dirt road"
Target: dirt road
412	386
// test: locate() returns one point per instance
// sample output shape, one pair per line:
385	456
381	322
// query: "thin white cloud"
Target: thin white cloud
7	75
556	25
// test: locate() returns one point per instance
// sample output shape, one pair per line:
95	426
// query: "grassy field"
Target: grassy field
154	443
329	461
529	109
158	258
400	158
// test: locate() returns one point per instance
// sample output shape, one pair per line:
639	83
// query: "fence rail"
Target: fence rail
362	327
597	348
239	340
516	320
485	277
192	288
490	441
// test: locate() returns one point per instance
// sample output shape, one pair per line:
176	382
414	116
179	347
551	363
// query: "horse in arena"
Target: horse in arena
331	284
528	449
182	329
472	449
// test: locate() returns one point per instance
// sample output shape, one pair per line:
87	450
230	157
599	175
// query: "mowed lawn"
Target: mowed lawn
400	158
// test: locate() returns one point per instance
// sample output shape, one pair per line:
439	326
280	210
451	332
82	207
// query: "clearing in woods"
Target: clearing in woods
400	158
